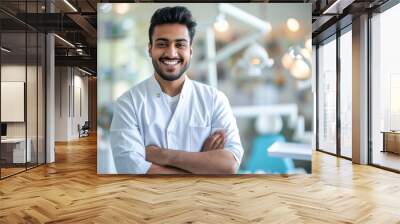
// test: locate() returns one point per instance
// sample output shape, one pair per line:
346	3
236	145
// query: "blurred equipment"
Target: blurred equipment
255	59
261	162
213	57
291	150
300	154
289	110
221	25
298	61
269	124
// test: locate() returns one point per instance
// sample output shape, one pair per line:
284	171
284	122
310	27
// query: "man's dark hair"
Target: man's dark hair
177	14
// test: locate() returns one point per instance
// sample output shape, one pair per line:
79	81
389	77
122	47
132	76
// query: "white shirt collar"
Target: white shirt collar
155	88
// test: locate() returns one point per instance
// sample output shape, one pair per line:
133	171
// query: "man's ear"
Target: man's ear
191	51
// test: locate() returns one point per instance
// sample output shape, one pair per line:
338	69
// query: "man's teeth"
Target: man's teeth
171	62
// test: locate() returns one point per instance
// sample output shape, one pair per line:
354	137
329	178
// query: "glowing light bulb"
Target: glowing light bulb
287	61
306	53
300	70
122	8
255	61
292	24
221	25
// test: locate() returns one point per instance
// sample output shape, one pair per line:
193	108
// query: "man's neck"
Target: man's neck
171	88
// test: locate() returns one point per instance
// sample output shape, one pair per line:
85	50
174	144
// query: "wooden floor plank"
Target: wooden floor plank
70	191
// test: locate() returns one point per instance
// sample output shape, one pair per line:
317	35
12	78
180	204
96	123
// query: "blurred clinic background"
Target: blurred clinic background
258	54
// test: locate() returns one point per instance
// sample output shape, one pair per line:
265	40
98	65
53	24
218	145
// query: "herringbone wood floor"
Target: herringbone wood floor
70	191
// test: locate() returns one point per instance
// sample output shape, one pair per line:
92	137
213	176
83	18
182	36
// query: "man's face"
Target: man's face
170	51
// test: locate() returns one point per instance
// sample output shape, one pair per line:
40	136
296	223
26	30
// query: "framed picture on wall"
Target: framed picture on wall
12	101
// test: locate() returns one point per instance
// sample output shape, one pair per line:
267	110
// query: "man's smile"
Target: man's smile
170	61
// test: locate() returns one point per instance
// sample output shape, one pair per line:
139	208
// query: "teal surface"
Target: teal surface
260	162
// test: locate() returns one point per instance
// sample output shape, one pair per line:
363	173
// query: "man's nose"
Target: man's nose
172	52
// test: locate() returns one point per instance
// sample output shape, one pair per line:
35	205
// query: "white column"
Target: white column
50	99
50	92
360	90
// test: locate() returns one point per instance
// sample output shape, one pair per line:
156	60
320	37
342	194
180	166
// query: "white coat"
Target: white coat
142	117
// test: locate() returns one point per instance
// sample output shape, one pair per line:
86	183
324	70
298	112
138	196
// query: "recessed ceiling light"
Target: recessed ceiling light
64	40
84	71
70	5
5	49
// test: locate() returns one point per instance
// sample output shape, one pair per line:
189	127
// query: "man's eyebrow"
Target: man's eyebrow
181	40
162	39
177	40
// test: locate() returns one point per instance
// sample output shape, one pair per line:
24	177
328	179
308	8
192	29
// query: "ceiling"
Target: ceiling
79	27
332	15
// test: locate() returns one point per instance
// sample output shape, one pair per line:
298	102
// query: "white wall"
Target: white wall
70	83
80	85
17	73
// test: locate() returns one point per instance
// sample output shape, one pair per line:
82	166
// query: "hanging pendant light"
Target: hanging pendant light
255	59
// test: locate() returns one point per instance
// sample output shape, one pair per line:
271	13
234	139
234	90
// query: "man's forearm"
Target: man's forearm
157	169
210	162
218	161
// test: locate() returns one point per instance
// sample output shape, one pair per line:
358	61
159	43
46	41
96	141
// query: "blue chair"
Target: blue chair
260	162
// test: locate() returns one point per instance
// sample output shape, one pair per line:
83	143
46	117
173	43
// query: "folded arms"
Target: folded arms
212	159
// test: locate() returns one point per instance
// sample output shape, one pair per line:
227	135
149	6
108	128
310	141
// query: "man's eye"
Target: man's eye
161	45
179	45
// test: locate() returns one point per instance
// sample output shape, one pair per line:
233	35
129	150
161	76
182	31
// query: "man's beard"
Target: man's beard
167	77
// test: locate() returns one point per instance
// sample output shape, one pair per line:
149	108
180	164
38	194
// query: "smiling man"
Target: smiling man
169	124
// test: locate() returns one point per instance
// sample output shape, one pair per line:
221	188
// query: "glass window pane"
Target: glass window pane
31	96
327	97
346	94
23	85
385	89
32	86
41	98
13	87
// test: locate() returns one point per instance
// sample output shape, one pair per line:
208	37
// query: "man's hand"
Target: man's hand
215	141
156	155
160	159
